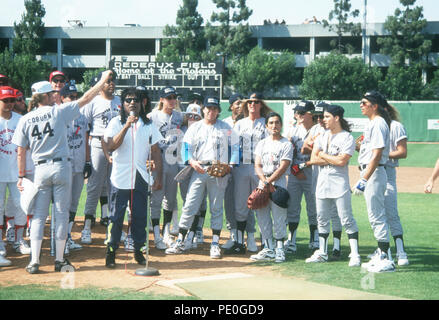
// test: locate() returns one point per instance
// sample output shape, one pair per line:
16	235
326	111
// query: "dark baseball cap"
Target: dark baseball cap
375	97
212	102
234	97
168	91
335	110
255	96
68	89
195	96
304	106
320	107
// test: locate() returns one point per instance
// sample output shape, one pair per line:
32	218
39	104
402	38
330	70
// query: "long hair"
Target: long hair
393	112
345	125
143	110
36	101
265	110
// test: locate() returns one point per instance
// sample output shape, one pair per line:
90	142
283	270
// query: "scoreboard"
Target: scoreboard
204	78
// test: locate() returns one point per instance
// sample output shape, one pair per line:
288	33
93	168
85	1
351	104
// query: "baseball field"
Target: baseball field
195	276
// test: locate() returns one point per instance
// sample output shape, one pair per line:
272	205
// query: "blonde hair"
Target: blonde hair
36	100
159	105
265	110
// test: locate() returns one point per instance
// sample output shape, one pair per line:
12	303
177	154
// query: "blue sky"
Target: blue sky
162	12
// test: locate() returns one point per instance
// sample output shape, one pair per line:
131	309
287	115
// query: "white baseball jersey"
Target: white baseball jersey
376	136
8	150
297	135
99	112
76	138
333	181
126	160
168	125
44	131
272	152
397	133
250	133
210	143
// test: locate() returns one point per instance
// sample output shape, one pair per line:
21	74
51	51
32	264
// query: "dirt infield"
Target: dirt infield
90	269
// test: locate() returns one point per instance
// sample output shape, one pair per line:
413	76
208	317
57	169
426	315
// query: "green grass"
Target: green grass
419	280
39	292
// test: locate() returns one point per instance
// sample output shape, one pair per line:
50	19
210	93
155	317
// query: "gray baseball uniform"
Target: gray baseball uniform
376	136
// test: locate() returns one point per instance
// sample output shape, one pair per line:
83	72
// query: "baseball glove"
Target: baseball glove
259	198
218	170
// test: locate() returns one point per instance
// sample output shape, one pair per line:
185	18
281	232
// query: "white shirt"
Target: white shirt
8	150
397	133
125	159
250	133
333	181
99	112
272	152
376	136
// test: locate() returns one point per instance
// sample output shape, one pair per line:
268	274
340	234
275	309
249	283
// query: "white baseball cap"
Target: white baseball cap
194	108
41	87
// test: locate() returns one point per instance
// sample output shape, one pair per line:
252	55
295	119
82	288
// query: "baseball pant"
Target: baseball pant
200	184
344	209
139	209
99	181
297	188
77	185
53	181
168	190
376	210
13	208
245	180
184	186
276	220
391	203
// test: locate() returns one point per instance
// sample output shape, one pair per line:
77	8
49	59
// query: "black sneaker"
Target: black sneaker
110	258
32	268
336	254
237	248
138	256
60	264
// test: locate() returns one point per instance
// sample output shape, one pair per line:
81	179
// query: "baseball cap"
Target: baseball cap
375	97
7	92
167	91
195	96
41	87
320	107
255	96
68	89
56	73
234	97
18	93
335	110
194	108
304	106
212	102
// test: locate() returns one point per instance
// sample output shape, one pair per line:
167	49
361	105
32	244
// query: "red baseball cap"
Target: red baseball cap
56	73
18	93
7	92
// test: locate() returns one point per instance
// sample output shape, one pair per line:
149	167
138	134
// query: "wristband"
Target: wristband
21	177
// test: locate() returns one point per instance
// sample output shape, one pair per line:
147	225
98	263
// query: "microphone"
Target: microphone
132	113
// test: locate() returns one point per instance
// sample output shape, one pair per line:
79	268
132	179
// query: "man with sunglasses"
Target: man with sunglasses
301	178
77	139
57	80
9	173
99	112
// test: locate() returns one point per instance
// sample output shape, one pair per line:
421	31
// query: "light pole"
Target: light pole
365	48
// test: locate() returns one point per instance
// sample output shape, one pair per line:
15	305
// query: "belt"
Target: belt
51	160
97	137
361	167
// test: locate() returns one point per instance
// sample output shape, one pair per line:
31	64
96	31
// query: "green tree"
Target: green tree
29	32
337	77
341	13
406	41
23	70
261	70
186	39
87	76
226	32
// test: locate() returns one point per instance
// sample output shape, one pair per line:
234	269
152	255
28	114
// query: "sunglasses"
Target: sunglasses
194	116
58	81
171	97
301	113
254	101
9	100
73	96
317	116
129	100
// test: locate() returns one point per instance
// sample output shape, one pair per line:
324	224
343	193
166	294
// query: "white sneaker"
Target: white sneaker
168	240
190	244
10	235
22	247
129	244
251	242
73	246
4	262
66	250
383	265
2	248
176	248
160	244
317	257
279	255
402	259
199	238
215	251
86	236
354	261
290	247
264	255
